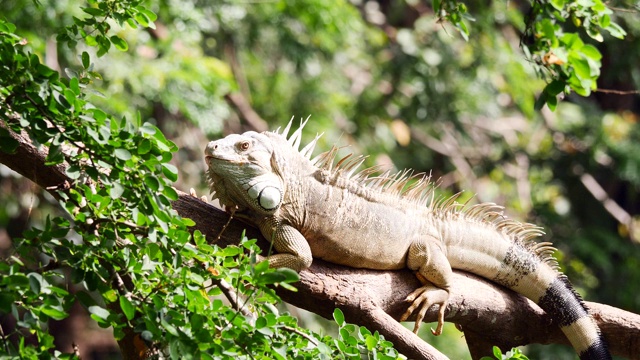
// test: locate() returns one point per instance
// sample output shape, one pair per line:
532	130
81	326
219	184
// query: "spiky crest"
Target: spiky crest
420	189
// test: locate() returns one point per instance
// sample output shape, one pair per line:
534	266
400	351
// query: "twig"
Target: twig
233	298
240	103
4	339
522	181
121	285
312	340
601	195
233	211
621	9
457	159
618	92
76	349
238	73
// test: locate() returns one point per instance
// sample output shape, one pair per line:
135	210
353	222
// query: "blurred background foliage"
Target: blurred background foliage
394	82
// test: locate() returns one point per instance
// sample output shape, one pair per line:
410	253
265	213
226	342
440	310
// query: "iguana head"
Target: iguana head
243	172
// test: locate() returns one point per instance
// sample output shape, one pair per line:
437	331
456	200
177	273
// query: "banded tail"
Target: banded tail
502	251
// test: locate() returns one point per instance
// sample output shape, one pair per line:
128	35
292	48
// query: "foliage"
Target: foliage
354	342
124	254
390	79
557	49
513	354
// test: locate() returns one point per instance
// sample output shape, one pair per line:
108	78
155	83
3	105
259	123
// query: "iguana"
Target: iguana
319	208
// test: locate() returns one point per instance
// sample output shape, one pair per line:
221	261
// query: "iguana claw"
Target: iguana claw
423	298
192	192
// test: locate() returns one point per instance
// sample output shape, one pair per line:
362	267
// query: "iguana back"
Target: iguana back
327	209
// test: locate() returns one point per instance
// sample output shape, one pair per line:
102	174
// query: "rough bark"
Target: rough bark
29	161
487	313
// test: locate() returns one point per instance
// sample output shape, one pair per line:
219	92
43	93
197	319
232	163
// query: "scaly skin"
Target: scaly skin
315	209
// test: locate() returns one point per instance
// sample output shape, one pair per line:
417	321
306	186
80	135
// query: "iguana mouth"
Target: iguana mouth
208	159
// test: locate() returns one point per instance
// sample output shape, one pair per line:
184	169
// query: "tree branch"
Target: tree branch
29	161
246	112
371	298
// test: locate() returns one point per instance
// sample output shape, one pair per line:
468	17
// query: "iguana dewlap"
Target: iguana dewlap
314	208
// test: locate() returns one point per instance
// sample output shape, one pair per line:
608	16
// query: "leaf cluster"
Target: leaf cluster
513	354
95	27
559	49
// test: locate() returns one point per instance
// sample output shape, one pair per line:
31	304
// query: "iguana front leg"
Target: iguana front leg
428	258
293	249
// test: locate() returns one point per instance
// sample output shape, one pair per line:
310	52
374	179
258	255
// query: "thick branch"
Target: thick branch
29	162
483	310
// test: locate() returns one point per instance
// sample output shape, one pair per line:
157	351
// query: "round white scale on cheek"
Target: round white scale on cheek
268	196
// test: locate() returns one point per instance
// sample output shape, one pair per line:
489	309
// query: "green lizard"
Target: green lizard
318	208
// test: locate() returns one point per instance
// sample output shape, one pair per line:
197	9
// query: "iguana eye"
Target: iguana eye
244	145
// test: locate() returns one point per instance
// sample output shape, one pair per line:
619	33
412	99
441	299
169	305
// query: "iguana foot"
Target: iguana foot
423	298
192	192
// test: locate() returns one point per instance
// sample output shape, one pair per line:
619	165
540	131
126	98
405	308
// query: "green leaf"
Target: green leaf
170	171
572	41
142	19
591	52
170	328
122	154
152	182
116	190
230	251
144	146
119	43
127	307
338	316
594	33
99	312
170	193
86	60
35	282
582	68
148	128
54	313
90	40
94	11
552	102
73	172
7	27
70	96
497	353
554	88
188	222
148	13
549	31
541	101
45	71
281	275
196	278
558	4
616	31
103	45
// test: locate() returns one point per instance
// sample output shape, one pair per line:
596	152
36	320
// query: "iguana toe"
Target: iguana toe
423	298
